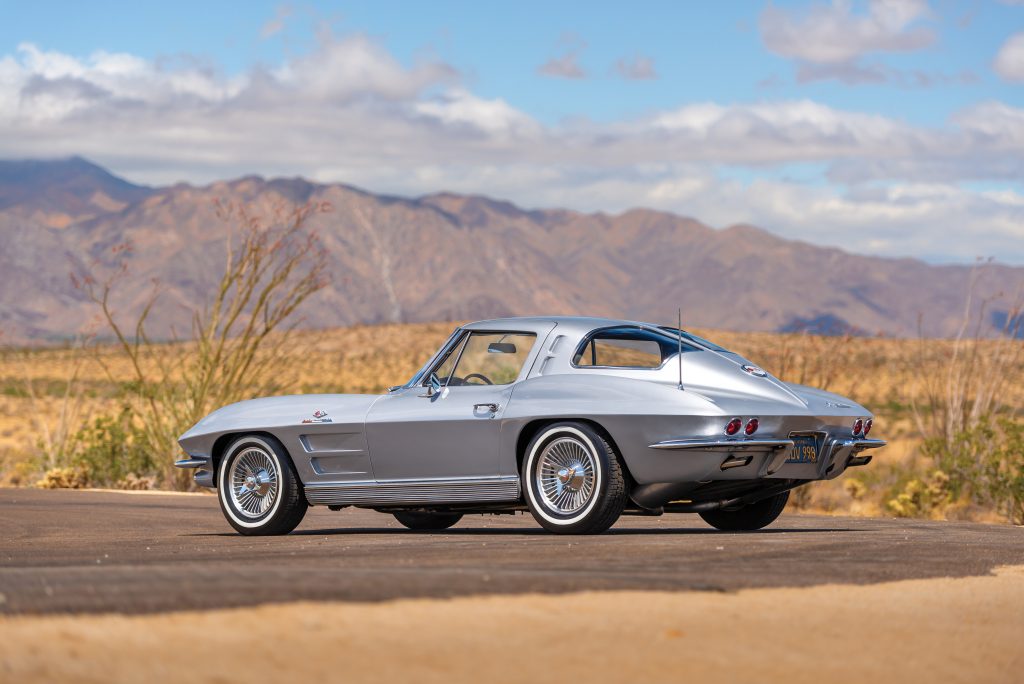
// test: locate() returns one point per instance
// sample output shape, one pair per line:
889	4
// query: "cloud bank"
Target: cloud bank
349	111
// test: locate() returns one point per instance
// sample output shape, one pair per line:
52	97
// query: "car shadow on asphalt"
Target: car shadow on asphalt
526	531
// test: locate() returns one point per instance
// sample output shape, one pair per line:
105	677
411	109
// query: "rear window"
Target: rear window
627	348
707	344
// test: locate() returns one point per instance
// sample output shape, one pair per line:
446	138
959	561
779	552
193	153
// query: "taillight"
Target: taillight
858	426
751	427
867	426
733	427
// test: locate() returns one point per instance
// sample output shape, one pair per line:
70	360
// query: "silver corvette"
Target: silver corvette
577	420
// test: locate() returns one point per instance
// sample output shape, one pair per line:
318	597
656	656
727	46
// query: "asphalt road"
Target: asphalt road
80	551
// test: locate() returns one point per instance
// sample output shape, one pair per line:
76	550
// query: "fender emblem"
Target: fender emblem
319	416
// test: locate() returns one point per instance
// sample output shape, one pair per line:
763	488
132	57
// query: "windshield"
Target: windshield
445	349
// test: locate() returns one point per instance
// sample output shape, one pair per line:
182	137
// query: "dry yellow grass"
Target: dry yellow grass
883	374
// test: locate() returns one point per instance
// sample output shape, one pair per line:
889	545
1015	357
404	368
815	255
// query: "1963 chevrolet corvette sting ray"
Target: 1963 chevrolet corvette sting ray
577	420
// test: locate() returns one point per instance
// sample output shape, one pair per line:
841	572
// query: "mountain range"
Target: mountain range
455	257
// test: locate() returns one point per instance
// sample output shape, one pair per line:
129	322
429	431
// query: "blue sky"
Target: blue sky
895	124
699	54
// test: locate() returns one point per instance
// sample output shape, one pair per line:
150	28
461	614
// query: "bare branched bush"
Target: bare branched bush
273	264
56	422
807	359
965	397
960	387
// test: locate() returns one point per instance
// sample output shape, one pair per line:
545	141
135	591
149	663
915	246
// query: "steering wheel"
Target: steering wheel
483	377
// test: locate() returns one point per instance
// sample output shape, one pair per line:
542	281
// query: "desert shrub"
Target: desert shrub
925	496
18	471
111	449
134	482
984	464
72	477
855	488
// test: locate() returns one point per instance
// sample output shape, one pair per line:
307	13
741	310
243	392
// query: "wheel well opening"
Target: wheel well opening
531	429
224	441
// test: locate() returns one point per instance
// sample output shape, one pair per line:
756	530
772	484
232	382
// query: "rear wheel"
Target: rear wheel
573	480
258	489
747	518
416	520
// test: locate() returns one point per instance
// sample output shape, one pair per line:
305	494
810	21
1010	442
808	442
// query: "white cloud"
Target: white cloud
496	117
350	112
1009	62
834	34
831	41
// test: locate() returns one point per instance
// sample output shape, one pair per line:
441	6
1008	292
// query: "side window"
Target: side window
491	358
628	348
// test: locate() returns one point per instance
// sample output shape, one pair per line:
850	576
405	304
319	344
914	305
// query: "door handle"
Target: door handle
492	408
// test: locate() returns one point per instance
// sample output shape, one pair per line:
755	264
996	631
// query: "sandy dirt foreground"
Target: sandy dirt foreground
939	630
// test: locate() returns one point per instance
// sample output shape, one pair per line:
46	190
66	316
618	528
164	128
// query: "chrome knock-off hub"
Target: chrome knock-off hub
566	475
253	479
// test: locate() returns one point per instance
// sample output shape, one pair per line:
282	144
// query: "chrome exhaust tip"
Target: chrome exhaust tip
736	462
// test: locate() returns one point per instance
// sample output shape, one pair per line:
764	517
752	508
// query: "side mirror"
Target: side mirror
433	385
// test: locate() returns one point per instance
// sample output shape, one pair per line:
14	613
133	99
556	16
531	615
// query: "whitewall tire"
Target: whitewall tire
573	480
258	489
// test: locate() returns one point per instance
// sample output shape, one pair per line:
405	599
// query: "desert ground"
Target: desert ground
938	630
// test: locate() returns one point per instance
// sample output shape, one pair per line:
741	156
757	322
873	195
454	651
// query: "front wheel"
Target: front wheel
573	480
258	489
747	518
416	520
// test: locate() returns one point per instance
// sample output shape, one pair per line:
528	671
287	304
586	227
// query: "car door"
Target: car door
416	433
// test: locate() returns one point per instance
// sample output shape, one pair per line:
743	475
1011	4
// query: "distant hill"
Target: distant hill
58	193
454	257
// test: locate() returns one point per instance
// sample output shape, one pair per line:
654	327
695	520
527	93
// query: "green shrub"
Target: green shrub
111	451
985	464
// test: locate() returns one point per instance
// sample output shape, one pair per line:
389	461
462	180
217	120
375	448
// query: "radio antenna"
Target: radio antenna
680	355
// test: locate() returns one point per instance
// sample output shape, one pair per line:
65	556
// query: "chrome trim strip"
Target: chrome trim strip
861	444
728	445
399	492
191	463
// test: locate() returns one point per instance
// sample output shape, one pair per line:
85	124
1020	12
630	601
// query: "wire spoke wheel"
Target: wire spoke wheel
566	475
253	480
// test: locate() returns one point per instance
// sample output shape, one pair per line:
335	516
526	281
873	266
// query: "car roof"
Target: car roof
570	324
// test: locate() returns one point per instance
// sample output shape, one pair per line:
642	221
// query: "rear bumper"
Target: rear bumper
708	467
693	460
724	445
